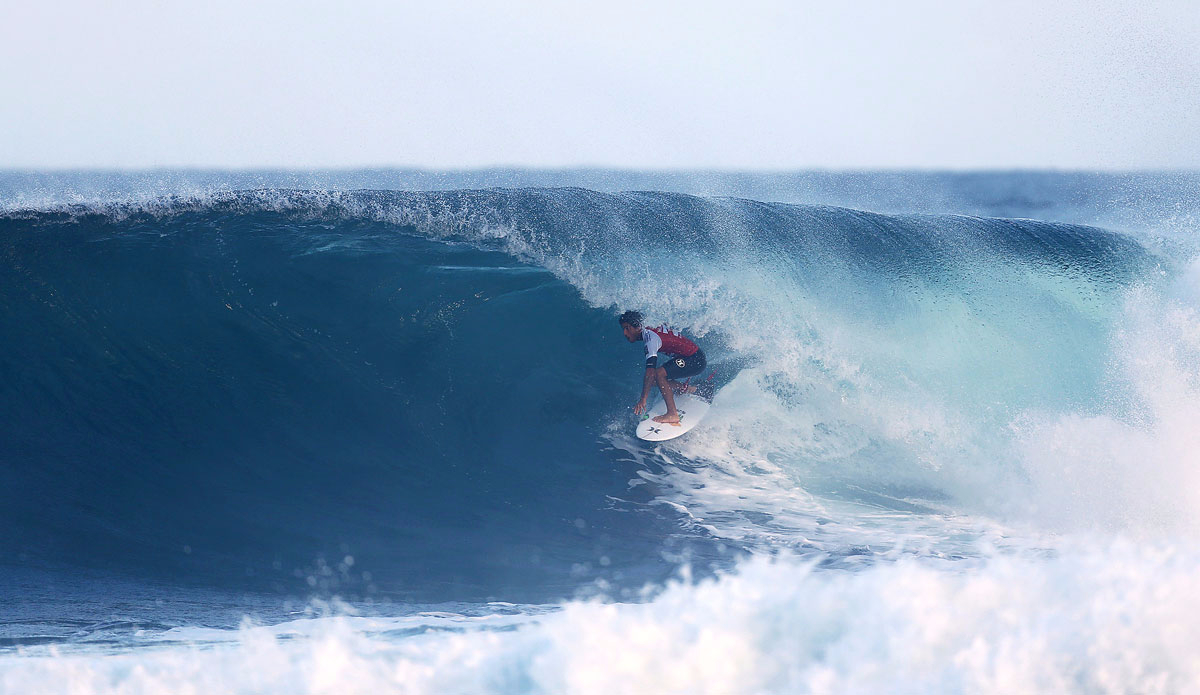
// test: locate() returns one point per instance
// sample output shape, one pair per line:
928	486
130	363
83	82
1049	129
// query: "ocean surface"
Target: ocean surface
371	432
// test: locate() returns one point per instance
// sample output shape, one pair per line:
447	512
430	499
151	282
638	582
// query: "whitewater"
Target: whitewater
372	432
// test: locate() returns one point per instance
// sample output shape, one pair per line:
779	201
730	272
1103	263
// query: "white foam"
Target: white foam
839	410
1134	466
1122	618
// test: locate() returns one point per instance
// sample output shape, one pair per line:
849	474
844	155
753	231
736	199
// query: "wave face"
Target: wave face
427	394
243	396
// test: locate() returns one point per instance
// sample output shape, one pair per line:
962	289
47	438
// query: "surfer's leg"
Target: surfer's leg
668	394
679	368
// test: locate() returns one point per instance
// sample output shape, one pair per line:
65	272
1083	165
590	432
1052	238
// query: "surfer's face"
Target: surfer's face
631	334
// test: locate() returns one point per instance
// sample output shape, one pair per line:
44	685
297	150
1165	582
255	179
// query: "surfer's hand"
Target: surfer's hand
640	407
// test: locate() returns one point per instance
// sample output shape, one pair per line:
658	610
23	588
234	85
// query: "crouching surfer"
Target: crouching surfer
685	360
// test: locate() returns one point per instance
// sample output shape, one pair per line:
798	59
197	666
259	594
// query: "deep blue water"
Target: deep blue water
232	400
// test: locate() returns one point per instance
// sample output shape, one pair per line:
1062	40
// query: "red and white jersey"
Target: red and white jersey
663	339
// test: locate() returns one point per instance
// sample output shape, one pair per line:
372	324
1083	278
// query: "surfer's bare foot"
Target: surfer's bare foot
668	419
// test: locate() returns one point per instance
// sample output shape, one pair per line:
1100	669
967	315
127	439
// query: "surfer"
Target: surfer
686	360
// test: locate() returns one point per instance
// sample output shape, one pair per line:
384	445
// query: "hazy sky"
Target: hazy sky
747	85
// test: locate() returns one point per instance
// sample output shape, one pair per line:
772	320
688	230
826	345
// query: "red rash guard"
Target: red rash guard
663	339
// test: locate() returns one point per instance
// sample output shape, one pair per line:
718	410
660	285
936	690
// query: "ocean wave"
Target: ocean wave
240	385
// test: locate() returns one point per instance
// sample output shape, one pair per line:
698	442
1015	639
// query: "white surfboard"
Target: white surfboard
691	410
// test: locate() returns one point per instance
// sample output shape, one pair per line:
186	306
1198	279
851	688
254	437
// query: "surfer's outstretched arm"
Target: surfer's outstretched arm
647	382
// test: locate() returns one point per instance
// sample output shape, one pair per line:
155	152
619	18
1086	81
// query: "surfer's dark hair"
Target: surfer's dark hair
633	318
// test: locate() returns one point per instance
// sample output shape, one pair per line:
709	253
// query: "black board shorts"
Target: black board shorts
680	367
